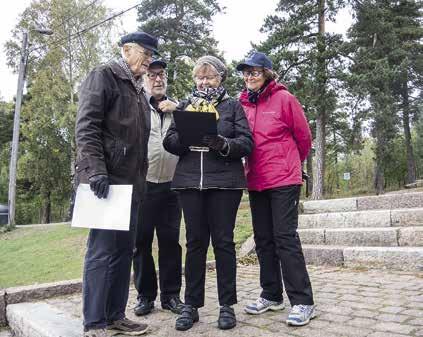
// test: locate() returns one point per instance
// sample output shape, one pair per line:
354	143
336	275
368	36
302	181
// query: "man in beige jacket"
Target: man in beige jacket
160	211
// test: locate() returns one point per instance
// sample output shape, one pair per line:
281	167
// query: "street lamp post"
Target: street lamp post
16	125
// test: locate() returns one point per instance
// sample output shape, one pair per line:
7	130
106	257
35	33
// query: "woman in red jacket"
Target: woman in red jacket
282	140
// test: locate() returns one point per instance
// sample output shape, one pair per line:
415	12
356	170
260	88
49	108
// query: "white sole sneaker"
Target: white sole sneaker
295	323
275	307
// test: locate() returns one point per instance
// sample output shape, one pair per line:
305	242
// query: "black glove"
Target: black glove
217	143
99	184
304	176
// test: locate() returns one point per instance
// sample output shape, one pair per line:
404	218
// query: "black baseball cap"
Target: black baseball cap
256	59
160	63
143	39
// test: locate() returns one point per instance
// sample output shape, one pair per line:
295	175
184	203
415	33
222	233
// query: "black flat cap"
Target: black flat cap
159	63
143	39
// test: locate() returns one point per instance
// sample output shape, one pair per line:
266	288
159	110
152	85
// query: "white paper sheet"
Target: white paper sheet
111	213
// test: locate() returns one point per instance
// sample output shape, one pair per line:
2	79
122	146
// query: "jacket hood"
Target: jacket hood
269	90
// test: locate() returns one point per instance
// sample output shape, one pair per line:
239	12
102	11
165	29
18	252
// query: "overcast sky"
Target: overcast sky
234	29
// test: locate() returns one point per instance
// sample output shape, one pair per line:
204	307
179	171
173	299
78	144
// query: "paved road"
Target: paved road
350	303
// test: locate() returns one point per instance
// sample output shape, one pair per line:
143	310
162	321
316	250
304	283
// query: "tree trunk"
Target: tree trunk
320	141
310	171
411	162
379	181
318	175
46	208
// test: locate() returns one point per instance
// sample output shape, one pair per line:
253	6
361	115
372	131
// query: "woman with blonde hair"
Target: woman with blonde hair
210	187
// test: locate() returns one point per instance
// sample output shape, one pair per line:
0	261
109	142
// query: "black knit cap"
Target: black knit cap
143	39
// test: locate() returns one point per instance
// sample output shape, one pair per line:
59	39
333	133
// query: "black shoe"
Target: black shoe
144	306
187	318
227	319
173	304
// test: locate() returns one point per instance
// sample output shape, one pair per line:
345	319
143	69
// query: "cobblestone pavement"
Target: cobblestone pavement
350	303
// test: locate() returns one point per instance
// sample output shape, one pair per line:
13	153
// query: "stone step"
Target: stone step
41	320
395	258
387	201
371	218
372	236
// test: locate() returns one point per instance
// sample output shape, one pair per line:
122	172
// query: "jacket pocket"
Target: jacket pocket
81	165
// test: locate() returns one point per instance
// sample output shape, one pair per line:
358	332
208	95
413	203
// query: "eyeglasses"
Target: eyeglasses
145	52
208	78
153	76
254	73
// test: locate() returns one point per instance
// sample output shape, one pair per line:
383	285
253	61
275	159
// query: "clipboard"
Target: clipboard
192	126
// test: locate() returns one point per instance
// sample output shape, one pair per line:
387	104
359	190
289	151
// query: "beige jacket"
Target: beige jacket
161	164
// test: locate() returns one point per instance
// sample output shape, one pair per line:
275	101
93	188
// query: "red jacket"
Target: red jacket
282	138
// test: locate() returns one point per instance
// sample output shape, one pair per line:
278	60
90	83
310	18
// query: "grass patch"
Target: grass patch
55	253
39	255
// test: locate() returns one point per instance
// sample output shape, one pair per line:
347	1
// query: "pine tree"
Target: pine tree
407	57
384	39
184	28
303	54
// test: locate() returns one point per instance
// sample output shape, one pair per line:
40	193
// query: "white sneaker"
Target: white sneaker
96	333
262	305
301	315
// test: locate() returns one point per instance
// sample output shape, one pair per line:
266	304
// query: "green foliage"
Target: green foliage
234	82
55	67
385	39
185	32
6	132
45	152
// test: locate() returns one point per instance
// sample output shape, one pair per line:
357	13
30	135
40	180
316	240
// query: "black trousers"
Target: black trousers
160	211
210	213
275	222
106	276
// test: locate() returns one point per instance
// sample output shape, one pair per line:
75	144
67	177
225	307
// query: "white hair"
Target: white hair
129	44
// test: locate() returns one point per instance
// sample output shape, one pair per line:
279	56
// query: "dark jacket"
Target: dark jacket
112	128
212	169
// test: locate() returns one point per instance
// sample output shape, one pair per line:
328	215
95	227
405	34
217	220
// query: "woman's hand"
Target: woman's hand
217	143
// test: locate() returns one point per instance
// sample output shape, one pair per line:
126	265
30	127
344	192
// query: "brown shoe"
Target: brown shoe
127	327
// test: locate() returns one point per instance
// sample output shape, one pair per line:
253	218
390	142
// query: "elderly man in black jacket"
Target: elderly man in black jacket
112	133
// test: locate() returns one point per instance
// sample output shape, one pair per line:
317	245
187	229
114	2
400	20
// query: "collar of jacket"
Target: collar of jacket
271	88
118	71
150	98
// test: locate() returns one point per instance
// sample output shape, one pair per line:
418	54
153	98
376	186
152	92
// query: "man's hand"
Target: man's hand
99	184
217	143
167	106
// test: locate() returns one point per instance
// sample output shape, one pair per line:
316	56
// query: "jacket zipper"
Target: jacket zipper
201	170
161	152
255	118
